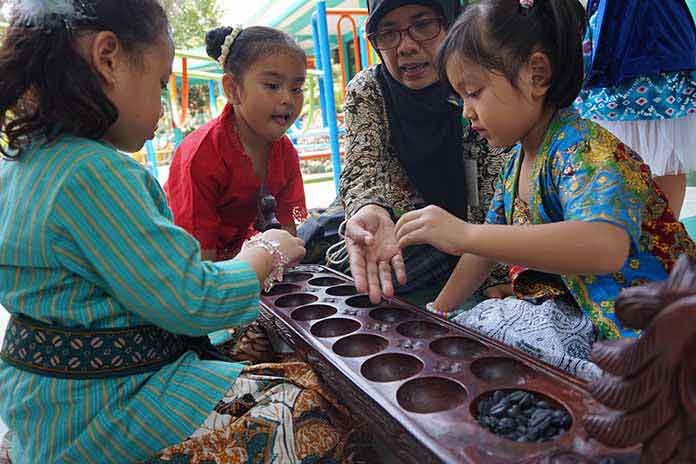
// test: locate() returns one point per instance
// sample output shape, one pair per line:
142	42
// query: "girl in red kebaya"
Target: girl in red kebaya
219	169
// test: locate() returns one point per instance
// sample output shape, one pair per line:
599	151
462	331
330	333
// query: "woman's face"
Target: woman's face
412	62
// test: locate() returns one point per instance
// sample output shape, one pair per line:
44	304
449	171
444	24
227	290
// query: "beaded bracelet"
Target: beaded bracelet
279	259
430	307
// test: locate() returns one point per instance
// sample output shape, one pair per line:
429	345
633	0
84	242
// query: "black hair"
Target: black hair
501	35
250	45
47	88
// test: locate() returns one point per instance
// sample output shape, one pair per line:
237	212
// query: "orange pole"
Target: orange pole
184	94
356	46
370	61
348	12
341	61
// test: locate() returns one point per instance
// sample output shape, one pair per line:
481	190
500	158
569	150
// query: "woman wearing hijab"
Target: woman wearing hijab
407	146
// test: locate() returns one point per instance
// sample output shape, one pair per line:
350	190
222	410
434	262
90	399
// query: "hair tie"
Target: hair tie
527	4
227	44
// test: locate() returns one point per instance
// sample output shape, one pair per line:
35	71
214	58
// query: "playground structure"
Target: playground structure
363	56
351	53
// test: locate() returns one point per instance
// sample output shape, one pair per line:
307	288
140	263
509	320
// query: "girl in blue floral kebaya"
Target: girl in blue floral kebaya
576	213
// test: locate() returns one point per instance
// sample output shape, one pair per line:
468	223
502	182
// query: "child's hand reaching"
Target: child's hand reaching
291	247
434	226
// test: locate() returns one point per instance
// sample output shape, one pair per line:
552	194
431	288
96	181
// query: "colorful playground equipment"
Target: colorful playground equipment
363	56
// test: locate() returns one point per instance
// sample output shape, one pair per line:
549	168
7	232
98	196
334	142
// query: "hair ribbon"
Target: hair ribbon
227	44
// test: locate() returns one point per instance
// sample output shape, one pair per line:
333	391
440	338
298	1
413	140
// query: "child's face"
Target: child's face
269	97
136	92
501	113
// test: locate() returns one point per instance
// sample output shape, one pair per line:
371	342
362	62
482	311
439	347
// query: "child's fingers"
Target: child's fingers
408	228
406	218
415	237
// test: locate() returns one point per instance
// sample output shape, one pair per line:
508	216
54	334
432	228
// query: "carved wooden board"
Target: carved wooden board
420	380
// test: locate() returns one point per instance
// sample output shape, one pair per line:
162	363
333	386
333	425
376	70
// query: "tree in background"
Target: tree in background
191	19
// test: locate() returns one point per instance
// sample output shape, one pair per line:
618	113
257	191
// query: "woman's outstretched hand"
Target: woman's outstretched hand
434	226
373	252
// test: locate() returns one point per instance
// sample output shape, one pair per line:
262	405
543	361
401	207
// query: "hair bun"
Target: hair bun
214	40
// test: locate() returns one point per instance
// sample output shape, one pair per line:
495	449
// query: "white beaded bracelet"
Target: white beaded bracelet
279	259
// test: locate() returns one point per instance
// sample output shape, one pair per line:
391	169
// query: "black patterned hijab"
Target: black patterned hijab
425	125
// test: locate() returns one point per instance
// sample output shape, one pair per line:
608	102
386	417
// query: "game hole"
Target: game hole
430	394
521	415
325	281
500	369
360	301
421	329
281	289
390	367
457	347
313	312
298	299
391	314
334	327
342	290
294	277
358	345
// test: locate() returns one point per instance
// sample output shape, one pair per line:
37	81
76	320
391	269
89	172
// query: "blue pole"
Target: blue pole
328	84
363	47
152	156
318	63
213	98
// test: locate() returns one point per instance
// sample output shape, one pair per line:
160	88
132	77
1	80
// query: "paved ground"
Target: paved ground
320	195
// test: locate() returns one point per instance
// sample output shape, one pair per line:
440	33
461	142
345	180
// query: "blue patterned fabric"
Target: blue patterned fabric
662	96
88	242
655	95
634	38
583	173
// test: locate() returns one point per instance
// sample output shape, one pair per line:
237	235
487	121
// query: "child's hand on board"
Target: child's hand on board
292	247
434	226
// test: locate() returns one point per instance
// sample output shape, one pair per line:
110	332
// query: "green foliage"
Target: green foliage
191	19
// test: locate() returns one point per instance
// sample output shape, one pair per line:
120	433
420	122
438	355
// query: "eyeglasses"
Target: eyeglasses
420	31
